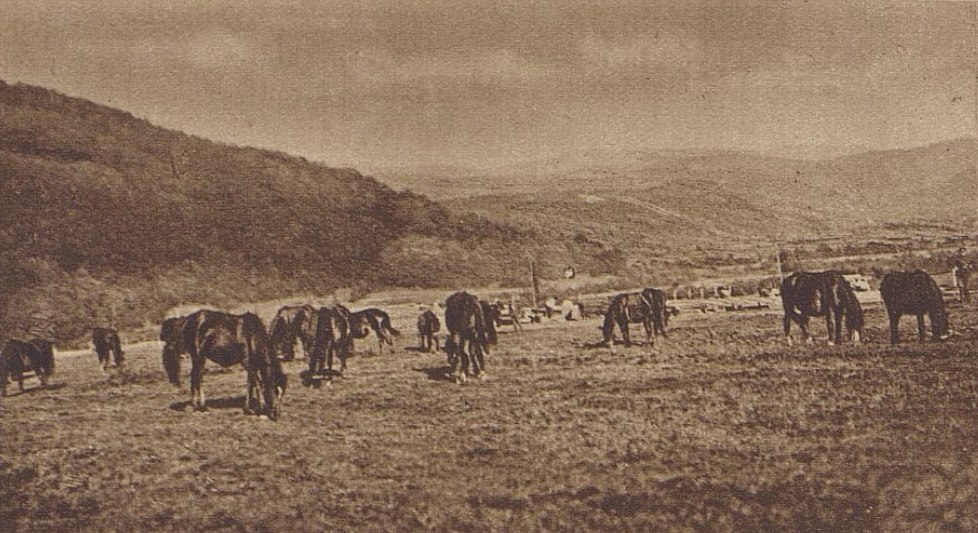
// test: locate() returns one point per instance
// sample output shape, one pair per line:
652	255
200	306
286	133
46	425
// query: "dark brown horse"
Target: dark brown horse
290	323
647	307
106	341
914	293
376	320
227	340
825	294
428	327
19	357
472	332
333	338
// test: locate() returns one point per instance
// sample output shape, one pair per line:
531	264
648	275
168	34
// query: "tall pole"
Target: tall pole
534	282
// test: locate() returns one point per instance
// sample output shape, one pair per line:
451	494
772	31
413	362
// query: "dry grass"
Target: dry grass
722	427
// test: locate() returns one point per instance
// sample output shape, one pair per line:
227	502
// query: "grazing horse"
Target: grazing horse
290	323
827	294
471	322
428	327
229	339
649	309
361	322
19	357
106	340
914	293
333	337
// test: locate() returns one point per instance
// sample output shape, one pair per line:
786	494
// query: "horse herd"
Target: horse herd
329	332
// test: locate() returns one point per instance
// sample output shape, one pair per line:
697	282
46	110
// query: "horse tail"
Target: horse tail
385	322
117	346
485	322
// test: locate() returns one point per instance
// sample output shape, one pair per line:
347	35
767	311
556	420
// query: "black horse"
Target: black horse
914	293
19	357
470	323
290	323
826	294
647	307
227	340
428	327
106	340
334	337
365	320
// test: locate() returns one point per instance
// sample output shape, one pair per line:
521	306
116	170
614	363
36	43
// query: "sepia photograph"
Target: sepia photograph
459	265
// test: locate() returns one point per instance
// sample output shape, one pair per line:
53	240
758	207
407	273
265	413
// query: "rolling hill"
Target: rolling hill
106	219
746	194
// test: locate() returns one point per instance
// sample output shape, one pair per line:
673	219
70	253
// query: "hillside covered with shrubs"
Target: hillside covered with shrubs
106	219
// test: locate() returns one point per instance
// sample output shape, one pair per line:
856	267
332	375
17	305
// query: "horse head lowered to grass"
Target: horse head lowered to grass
823	294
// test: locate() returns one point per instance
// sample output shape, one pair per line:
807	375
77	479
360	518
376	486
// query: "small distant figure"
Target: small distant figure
106	340
961	269
428	327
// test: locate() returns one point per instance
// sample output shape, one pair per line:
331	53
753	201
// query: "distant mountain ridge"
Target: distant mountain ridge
937	182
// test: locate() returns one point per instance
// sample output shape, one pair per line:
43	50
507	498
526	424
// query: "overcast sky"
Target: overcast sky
372	84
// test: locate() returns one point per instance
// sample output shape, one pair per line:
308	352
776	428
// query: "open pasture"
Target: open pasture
721	427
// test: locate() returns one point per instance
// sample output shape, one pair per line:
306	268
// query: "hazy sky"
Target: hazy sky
371	84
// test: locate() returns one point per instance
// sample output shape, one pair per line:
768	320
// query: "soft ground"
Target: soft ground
720	427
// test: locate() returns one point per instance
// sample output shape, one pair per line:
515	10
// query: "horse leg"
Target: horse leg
894	328
623	325
921	328
196	382
787	327
838	326
803	325
251	393
479	360
830	326
345	349
647	324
